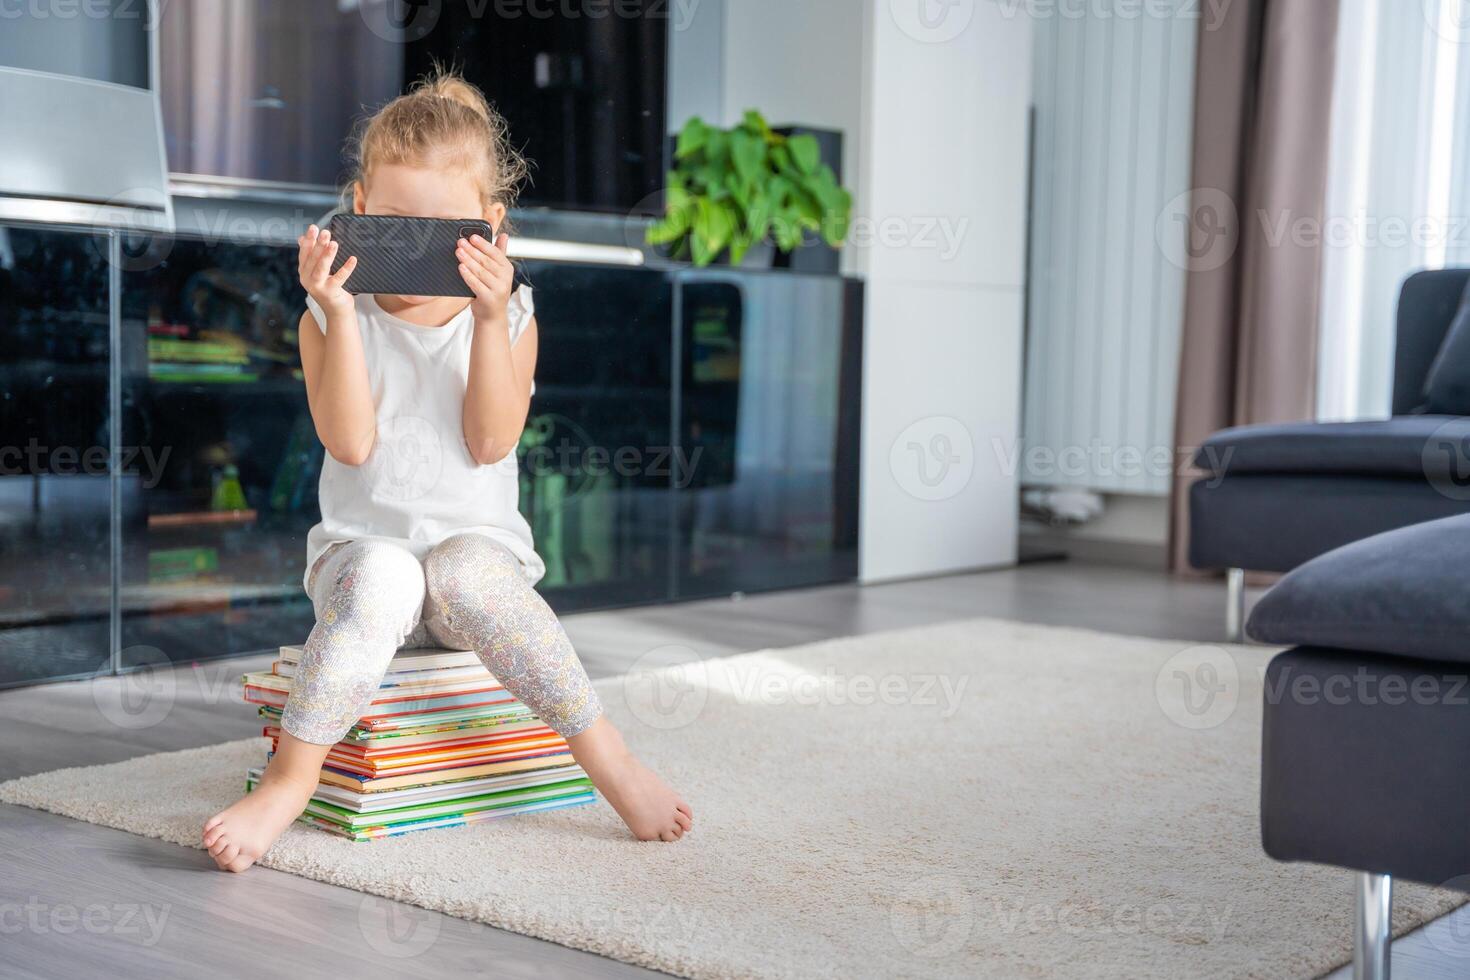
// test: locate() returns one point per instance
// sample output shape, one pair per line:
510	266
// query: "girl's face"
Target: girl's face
423	192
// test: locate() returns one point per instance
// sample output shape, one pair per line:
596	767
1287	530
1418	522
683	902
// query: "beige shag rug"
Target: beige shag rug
980	799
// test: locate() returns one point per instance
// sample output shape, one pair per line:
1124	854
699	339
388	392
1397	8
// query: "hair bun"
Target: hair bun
452	86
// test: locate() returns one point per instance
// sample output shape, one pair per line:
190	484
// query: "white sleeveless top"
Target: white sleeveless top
420	485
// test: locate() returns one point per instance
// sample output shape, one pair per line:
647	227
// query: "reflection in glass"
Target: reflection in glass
645	477
593	484
212	391
768	434
54	488
268	90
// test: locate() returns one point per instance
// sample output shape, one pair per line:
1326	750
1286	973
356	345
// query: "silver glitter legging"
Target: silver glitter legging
374	597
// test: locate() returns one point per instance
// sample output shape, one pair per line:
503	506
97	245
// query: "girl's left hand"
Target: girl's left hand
489	274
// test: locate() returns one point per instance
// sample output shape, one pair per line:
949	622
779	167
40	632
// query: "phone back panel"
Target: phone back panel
407	256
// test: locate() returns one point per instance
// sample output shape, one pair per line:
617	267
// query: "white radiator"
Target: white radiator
1113	127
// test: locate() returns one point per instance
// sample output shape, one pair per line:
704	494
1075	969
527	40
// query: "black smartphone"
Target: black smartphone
406	256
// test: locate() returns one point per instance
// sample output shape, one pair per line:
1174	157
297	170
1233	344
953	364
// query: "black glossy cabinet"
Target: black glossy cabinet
692	434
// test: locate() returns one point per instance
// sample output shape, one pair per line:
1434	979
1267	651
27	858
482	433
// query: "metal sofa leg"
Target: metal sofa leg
1372	931
1235	605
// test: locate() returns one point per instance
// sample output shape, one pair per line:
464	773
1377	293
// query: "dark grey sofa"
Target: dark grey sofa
1365	745
1275	496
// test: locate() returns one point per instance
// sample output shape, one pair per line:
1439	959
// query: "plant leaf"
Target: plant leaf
838	218
806	152
748	153
713	226
781	157
757	124
693	136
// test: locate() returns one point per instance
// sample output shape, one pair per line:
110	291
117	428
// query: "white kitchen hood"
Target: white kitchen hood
82	152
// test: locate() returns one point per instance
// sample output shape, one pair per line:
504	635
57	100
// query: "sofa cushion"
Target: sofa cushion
1447	385
1418	446
1402	592
1273	522
1363	762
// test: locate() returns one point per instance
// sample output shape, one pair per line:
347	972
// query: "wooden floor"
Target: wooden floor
80	900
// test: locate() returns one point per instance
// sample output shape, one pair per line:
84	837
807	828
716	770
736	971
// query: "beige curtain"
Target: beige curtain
1263	99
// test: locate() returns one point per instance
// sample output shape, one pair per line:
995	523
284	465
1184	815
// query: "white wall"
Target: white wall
935	148
944	139
796	61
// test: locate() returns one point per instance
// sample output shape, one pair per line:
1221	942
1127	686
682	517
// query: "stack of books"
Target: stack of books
443	744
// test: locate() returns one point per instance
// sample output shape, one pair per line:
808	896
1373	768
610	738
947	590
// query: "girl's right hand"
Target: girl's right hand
314	265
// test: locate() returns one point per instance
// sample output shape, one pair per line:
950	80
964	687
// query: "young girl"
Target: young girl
420	402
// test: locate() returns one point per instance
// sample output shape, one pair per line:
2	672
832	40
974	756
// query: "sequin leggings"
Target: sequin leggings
374	597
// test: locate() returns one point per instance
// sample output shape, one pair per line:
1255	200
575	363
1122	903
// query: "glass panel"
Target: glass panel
268	90
227	458
594	477
769	432
54	492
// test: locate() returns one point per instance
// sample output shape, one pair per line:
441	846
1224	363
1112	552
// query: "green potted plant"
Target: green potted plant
732	189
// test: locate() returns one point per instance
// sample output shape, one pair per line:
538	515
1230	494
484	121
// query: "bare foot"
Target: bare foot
237	836
647	805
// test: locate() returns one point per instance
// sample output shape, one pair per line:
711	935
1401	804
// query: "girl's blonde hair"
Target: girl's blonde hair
443	120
